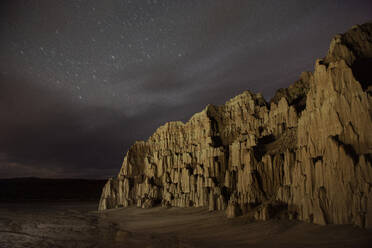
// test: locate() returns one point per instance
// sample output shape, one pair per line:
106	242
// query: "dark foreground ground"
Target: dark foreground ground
78	224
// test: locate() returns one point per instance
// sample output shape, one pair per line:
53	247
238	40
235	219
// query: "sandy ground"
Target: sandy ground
77	224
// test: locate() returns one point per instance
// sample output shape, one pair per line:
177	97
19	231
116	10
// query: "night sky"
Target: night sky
80	81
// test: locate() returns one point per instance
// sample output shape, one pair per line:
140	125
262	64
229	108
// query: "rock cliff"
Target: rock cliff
306	155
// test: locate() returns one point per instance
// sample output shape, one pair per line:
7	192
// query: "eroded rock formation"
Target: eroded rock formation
307	153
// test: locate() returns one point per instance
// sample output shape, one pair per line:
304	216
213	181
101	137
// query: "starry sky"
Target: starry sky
81	80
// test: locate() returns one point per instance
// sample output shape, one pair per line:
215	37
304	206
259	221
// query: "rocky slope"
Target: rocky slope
306	155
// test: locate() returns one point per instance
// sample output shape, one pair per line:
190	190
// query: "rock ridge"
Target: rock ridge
306	154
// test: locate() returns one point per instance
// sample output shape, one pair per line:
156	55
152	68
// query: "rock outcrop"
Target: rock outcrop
307	154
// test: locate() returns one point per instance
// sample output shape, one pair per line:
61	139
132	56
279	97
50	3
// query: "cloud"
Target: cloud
226	46
43	134
39	128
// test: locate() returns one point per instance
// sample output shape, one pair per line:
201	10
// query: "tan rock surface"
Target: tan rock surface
307	152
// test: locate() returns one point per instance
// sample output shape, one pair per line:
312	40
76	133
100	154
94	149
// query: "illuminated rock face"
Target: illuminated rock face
307	154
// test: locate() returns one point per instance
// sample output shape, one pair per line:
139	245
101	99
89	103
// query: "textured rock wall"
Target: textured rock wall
307	154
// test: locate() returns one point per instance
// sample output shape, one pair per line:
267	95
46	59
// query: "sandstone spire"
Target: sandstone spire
307	154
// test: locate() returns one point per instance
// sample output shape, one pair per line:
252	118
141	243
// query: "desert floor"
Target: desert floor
78	224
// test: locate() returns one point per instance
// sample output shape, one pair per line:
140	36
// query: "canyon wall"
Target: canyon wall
306	155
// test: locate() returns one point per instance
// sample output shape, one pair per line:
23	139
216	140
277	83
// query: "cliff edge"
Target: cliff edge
306	155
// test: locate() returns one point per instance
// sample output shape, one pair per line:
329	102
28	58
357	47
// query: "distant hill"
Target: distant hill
21	189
